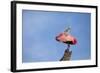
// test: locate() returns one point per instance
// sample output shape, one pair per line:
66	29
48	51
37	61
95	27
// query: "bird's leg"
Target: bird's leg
68	48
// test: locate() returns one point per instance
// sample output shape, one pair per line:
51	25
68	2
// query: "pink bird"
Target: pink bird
66	38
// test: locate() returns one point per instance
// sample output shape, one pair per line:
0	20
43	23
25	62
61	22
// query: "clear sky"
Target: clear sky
40	29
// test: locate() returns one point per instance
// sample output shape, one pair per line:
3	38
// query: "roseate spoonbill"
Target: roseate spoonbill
66	38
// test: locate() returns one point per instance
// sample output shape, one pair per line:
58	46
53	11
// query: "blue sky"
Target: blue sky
40	29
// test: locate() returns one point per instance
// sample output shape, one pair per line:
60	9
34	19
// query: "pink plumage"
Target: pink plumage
66	38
